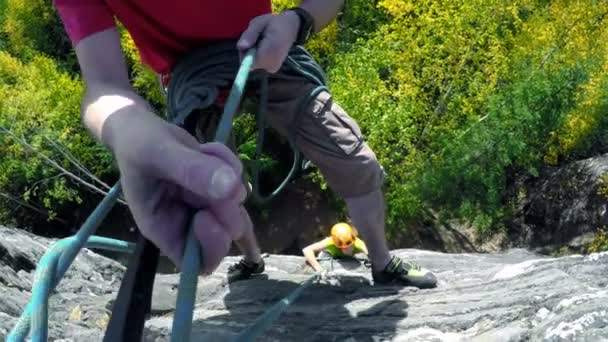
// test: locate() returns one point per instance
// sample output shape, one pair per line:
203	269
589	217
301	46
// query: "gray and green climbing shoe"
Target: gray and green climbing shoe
405	273
244	269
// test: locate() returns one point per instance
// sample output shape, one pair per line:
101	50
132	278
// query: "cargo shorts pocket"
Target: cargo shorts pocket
335	131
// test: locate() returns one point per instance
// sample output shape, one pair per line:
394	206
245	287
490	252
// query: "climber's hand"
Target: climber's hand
166	173
276	34
324	275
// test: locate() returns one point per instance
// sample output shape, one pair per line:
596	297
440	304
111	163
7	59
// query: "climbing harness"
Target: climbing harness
193	88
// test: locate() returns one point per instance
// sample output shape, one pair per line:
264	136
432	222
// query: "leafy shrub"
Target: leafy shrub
30	28
40	107
600	241
602	189
457	98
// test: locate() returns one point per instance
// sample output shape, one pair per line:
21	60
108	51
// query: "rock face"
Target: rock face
78	309
509	296
563	208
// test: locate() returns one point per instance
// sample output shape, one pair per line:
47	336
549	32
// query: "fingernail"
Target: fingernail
242	194
222	181
242	44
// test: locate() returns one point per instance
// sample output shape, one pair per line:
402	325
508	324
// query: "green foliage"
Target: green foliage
40	106
417	81
32	27
470	175
357	20
457	98
600	241
602	189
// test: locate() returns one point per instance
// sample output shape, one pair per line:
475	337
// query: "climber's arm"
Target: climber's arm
323	11
107	86
92	30
361	246
310	253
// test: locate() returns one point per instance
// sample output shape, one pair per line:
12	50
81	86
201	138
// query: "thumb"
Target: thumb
252	34
204	174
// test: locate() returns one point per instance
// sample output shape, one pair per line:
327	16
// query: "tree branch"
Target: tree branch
56	165
75	162
29	206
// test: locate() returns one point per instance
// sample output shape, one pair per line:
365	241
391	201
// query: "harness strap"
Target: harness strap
134	298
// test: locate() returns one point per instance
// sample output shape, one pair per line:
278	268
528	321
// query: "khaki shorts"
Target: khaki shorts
326	135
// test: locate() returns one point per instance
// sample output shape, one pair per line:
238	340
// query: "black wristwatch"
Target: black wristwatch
307	25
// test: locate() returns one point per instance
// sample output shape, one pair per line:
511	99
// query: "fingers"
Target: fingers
215	148
251	35
270	54
214	239
272	44
231	214
166	228
215	230
222	151
211	176
234	218
195	199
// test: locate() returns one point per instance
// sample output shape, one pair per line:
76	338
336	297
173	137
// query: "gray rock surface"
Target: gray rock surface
79	307
510	296
562	208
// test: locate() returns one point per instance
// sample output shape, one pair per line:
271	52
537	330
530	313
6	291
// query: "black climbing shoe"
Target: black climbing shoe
244	269
405	273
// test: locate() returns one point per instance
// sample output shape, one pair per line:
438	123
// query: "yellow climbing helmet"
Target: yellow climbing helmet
343	235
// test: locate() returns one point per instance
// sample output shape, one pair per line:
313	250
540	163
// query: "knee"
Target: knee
359	174
368	175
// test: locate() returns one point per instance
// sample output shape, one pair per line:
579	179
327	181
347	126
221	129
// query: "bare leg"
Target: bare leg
248	243
368	215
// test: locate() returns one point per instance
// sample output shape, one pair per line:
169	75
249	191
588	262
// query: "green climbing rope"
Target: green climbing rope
269	316
55	263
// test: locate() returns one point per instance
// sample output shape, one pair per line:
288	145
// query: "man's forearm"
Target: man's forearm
324	11
312	259
101	101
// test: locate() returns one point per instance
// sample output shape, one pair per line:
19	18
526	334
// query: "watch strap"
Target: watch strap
306	28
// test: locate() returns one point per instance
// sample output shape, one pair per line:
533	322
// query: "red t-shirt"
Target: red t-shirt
161	30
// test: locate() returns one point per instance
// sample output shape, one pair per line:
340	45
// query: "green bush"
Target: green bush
600	241
457	98
470	175
33	27
40	107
